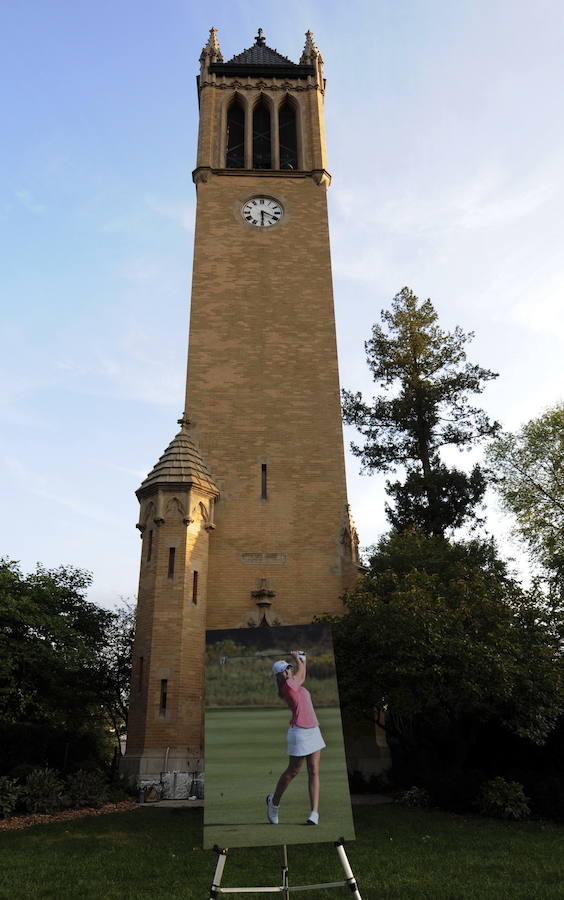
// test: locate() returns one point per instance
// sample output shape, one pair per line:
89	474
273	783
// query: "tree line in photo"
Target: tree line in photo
462	661
240	676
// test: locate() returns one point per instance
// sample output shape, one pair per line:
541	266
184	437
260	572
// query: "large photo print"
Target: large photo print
275	761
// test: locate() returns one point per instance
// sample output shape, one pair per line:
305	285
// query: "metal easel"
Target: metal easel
284	888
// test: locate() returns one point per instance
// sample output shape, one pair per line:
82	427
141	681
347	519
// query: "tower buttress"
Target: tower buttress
176	520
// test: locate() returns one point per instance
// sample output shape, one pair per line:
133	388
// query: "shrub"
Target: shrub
454	788
503	800
119	789
415	797
546	793
86	789
43	791
322	666
10	793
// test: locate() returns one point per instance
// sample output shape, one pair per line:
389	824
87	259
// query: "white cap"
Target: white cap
280	666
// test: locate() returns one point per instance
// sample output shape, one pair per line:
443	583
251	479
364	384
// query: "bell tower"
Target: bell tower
251	494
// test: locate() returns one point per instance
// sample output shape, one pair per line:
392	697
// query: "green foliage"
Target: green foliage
50	638
113	673
86	789
503	799
449	641
529	474
321	667
224	649
10	793
415	798
64	667
245	678
423	406
43	791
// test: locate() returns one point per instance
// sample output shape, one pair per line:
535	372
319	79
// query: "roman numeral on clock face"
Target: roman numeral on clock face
262	212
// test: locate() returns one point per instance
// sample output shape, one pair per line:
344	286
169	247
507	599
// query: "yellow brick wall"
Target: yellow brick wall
170	636
262	388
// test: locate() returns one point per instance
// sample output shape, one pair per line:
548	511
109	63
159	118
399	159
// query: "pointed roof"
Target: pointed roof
180	464
261	60
260	54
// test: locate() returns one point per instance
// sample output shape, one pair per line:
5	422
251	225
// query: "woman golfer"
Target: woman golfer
304	736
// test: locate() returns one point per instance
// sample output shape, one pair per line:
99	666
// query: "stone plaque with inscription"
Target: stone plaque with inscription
264	559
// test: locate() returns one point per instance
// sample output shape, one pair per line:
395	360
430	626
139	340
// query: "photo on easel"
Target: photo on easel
275	768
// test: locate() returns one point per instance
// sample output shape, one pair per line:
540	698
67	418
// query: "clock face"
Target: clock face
262	212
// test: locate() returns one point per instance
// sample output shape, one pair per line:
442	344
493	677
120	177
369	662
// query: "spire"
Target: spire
260	38
181	463
310	51
212	50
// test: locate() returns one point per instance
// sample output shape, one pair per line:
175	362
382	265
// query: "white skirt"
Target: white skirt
303	741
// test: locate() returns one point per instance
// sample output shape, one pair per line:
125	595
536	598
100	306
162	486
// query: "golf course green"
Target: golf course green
245	755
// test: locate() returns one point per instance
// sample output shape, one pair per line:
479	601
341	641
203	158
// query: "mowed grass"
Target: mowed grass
245	755
398	853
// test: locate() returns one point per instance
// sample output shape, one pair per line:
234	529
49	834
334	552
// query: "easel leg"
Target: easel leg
351	881
221	858
285	882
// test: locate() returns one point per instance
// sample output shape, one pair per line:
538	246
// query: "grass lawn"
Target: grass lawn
399	853
245	755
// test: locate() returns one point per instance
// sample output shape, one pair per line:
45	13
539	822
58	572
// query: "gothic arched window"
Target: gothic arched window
262	156
235	156
288	136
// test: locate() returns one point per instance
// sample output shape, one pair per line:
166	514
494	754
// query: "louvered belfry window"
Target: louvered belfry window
288	136
235	157
262	155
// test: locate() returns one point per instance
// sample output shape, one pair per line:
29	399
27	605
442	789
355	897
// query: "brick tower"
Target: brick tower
244	519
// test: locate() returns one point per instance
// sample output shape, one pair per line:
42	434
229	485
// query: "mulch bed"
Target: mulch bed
16	823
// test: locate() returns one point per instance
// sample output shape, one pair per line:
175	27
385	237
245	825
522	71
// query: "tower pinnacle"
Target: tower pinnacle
212	50
310	51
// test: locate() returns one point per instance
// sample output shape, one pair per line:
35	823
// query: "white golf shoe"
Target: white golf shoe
271	810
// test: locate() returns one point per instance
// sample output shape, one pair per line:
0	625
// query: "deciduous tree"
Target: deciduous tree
445	641
528	469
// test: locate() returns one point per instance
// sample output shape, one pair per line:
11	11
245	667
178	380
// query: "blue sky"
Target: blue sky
445	142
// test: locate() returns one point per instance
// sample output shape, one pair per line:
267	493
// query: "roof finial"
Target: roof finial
184	421
260	38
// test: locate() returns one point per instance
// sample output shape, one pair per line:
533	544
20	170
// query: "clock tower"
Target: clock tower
244	519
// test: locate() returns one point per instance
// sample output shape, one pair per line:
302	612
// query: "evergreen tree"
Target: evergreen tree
425	382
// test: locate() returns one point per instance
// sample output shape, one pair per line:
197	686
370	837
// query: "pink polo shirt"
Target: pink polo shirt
299	701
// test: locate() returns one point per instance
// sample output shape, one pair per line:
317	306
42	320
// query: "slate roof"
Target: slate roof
181	463
260	55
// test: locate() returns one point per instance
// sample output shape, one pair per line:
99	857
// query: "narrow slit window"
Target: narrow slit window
149	545
195	588
140	673
288	136
263	482
164	692
235	156
262	156
171	555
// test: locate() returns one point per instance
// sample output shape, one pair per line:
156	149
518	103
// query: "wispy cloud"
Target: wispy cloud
33	483
140	269
178	213
27	200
